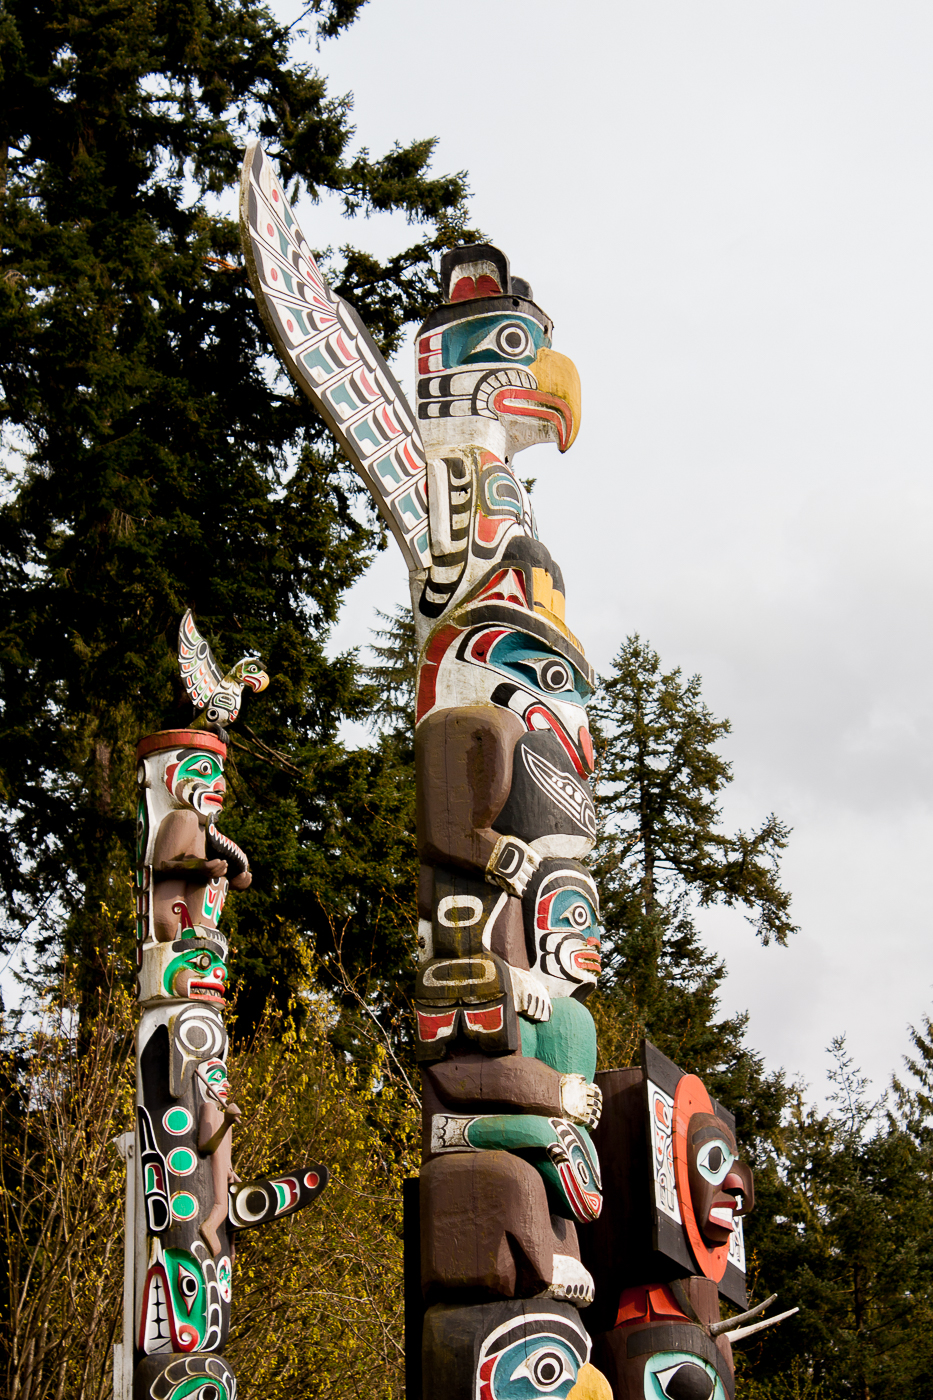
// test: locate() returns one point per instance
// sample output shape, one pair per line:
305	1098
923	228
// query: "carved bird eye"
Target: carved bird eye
513	340
545	1369
187	1285
553	675
579	915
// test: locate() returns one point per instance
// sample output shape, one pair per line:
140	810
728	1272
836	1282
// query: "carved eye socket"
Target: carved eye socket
714	1160
202	961
685	1381
207	1392
513	340
545	1369
203	767
553	675
582	1170
578	915
187	1285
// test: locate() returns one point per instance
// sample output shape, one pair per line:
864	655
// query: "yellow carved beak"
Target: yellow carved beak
558	378
555	401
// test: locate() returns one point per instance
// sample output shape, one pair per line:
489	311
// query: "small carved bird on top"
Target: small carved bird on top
216	697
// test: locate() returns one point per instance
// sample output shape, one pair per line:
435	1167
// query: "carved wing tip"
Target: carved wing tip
199	670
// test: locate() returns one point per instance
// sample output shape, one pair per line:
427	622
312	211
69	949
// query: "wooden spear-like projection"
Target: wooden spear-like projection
509	931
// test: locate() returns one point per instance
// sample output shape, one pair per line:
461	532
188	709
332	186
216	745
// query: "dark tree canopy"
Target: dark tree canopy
843	1229
153	463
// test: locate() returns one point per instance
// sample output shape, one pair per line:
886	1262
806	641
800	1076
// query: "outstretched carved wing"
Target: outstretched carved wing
333	358
199	670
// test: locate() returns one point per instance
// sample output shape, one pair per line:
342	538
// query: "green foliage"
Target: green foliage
152	464
317	1296
843	1228
392	675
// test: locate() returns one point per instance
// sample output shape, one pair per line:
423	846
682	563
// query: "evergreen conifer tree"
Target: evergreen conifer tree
152	463
663	851
844	1230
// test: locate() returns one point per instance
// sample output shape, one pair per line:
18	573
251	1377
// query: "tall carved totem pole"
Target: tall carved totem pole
185	1202
511	1187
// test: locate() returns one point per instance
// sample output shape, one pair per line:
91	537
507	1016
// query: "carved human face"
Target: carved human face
721	1187
563	928
197	780
213	1081
199	974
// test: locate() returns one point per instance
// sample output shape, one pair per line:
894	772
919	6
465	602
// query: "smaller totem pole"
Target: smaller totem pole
189	1202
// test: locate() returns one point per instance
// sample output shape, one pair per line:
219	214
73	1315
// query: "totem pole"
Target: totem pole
187	1201
509	933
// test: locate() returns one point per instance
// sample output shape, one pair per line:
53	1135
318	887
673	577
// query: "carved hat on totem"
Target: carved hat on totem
165	739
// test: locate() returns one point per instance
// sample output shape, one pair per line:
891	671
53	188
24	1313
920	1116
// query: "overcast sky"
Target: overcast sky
726	208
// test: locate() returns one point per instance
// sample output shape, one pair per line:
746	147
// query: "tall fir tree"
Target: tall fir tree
152	464
662	853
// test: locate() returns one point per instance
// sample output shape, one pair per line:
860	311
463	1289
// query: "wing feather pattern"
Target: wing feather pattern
333	358
199	670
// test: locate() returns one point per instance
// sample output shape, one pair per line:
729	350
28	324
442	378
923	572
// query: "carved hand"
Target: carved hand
580	1101
512	865
532	998
241	881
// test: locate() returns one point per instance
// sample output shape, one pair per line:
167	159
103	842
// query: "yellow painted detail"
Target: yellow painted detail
557	374
549	602
590	1385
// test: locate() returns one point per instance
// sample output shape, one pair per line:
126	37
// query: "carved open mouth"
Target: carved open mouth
206	991
154	1332
534	403
720	1214
588	960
